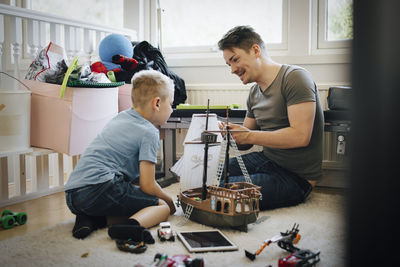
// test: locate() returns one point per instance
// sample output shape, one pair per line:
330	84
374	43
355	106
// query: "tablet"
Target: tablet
206	240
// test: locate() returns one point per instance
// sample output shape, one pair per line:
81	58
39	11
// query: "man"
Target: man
284	116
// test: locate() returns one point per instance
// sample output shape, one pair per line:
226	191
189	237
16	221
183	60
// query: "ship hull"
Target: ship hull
202	214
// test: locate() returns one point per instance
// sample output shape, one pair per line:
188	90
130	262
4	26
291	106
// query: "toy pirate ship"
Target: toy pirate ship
231	205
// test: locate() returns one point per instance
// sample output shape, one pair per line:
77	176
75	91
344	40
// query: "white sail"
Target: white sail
198	125
191	165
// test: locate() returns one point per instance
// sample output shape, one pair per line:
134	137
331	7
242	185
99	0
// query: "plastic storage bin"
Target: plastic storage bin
69	125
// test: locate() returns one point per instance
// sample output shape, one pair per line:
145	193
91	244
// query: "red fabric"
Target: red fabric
100	68
127	63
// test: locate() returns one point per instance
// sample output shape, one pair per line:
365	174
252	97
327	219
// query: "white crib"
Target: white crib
34	172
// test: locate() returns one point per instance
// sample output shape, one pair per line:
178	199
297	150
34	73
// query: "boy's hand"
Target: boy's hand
171	205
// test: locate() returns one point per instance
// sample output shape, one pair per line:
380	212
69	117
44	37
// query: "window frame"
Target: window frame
321	17
300	37
214	48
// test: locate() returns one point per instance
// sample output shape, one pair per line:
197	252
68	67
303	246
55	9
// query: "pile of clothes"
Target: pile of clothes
124	59
120	60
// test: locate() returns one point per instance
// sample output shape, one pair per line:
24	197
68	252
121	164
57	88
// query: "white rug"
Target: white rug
321	227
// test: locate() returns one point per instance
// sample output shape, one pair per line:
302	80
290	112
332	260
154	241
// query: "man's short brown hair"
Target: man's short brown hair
243	37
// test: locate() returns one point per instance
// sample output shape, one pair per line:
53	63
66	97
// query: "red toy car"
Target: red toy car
300	258
176	261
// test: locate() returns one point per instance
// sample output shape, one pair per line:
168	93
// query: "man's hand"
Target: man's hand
239	133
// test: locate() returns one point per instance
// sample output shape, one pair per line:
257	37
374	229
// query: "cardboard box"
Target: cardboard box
124	97
69	125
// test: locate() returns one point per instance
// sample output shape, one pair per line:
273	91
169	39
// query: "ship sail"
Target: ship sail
191	163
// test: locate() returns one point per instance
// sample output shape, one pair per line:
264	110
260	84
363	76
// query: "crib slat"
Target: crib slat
42	35
69	37
4	178
2	30
78	41
16	43
60	169
22	176
42	168
33	37
89	44
55	33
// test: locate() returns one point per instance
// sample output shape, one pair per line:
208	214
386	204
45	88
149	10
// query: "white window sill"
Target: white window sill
210	59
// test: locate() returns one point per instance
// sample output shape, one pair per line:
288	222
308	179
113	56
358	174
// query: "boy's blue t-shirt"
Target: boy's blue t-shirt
125	141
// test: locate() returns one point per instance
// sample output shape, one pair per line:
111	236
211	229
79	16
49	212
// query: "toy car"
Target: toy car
177	261
8	218
300	258
165	232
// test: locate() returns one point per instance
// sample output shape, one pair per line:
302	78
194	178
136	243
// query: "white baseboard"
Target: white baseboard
30	196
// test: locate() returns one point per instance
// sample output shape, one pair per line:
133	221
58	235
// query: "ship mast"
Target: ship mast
228	138
205	161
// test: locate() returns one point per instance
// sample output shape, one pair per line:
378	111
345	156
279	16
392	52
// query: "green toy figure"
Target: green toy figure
8	218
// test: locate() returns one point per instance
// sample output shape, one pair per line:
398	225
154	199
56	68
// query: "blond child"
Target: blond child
115	177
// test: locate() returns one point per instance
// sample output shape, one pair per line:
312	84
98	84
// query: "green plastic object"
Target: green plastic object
72	66
80	83
188	106
111	76
8	219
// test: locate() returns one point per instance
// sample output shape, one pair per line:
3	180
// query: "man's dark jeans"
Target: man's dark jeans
279	187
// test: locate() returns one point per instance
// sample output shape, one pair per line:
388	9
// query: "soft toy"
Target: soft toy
128	64
114	44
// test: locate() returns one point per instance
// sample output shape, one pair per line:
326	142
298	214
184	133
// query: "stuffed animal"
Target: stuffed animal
114	44
116	52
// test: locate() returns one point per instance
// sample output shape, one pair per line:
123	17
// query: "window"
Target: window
195	26
335	28
93	11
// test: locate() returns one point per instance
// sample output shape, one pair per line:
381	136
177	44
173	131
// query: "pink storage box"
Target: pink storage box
124	97
70	124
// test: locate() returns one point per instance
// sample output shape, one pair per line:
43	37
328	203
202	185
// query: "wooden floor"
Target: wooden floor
49	210
42	212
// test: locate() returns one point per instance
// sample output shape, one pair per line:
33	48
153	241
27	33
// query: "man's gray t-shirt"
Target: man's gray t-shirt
292	85
125	141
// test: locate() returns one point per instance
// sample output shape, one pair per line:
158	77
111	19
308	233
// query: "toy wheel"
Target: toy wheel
8	221
6	212
22	217
172	238
157	256
197	262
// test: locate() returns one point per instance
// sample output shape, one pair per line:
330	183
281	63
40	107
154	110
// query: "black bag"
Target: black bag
339	98
149	57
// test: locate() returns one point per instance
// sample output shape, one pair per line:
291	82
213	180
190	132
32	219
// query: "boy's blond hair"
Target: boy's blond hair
147	84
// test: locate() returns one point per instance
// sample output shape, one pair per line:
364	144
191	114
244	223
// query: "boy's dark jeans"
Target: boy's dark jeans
117	197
